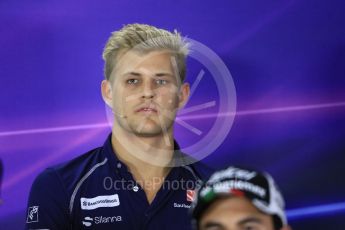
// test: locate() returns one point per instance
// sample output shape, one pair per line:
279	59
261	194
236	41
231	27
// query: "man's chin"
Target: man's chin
148	128
149	133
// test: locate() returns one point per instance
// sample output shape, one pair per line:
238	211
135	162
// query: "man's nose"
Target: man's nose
148	89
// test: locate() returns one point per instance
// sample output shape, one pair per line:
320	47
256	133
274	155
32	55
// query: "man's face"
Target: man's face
145	92
234	213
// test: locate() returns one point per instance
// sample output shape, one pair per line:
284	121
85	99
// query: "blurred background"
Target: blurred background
286	58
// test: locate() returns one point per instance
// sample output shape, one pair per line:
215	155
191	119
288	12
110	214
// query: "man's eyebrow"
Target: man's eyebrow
213	225
162	74
131	73
159	74
250	220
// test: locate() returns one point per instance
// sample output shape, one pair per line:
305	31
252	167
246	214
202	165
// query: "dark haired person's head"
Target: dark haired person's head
238	198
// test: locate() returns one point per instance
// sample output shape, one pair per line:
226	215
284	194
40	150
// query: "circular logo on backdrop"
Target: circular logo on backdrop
204	121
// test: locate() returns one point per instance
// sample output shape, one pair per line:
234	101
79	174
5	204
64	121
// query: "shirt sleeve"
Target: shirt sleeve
48	203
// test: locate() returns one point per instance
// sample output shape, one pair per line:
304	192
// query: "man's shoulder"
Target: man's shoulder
72	171
80	163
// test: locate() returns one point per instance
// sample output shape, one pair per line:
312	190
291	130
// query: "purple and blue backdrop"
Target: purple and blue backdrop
286	58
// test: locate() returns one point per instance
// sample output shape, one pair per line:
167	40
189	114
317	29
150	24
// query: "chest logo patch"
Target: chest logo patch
99	202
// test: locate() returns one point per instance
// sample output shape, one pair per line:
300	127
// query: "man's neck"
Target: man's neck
149	155
147	158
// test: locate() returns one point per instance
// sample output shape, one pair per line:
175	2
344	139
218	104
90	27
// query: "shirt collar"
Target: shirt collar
179	158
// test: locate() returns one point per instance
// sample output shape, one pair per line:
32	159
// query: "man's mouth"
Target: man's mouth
147	110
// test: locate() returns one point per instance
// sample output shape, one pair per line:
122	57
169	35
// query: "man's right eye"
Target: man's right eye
132	81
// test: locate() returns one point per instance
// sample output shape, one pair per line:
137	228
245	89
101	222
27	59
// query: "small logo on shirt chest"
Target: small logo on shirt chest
190	195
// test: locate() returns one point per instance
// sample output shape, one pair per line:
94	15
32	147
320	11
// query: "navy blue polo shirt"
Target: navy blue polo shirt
96	191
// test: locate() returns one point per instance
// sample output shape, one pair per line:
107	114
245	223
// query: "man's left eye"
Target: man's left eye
132	81
161	81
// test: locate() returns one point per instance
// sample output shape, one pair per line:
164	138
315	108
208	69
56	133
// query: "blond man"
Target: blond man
139	179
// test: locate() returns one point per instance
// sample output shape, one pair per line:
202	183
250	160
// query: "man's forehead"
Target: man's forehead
141	56
155	62
233	204
136	58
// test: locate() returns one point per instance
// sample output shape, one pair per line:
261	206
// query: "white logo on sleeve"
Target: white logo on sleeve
32	214
99	202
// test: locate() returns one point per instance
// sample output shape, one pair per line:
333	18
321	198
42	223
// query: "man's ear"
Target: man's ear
107	93
183	95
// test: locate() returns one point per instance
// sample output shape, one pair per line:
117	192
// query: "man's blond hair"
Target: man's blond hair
145	38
